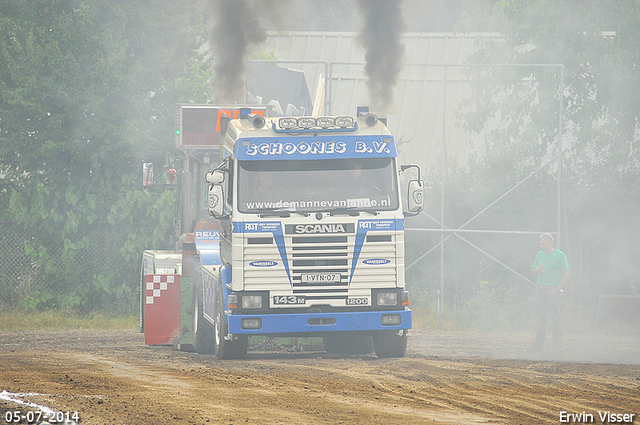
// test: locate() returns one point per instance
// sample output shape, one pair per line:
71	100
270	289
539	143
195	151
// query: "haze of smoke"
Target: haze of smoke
381	37
235	30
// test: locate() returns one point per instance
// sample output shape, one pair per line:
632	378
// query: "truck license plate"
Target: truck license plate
287	299
321	278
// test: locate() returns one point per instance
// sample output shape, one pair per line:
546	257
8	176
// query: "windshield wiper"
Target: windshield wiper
352	211
270	212
275	212
283	214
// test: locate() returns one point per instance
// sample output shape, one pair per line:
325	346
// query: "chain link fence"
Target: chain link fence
24	275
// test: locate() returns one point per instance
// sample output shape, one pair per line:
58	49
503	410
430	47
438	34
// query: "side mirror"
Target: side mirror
215	201
415	197
215	177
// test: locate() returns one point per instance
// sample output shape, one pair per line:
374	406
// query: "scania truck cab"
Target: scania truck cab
311	235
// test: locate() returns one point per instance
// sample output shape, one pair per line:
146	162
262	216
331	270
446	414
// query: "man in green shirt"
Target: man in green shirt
552	272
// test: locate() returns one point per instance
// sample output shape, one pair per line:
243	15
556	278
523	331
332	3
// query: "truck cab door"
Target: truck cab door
220	203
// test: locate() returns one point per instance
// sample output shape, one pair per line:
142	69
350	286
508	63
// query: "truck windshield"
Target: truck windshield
317	185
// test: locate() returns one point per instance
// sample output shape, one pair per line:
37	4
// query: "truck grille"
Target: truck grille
319	266
320	255
319	239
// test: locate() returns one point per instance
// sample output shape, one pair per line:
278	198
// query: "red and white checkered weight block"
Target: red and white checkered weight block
156	284
161	308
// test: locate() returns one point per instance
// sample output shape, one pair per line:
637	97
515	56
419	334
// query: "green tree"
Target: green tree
517	108
597	44
87	92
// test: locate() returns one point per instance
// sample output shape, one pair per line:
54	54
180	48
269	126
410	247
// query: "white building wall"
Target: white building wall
417	116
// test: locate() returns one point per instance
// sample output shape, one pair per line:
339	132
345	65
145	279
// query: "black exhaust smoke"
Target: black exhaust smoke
381	37
235	29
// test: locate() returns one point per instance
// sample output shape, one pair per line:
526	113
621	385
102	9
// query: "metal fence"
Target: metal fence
21	276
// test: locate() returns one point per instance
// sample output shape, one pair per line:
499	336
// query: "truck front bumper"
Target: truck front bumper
319	322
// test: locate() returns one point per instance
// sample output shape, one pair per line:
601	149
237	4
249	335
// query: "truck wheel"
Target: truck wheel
390	343
202	329
221	346
224	348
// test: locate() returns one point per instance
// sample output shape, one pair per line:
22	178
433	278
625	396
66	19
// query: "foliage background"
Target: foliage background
598	44
87	93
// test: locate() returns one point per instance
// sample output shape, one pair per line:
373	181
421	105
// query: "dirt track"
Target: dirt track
112	378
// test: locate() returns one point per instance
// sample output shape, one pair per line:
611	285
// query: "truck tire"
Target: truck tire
348	342
221	346
389	343
224	348
202	329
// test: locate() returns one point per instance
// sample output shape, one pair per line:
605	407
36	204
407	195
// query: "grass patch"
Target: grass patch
19	320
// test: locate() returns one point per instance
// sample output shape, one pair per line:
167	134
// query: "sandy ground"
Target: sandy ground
112	378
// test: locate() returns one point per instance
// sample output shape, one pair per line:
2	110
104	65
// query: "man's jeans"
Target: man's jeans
548	300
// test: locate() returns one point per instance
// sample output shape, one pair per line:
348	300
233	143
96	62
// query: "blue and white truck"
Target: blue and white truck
311	238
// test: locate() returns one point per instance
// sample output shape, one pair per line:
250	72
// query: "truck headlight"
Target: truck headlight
387	298
252	301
